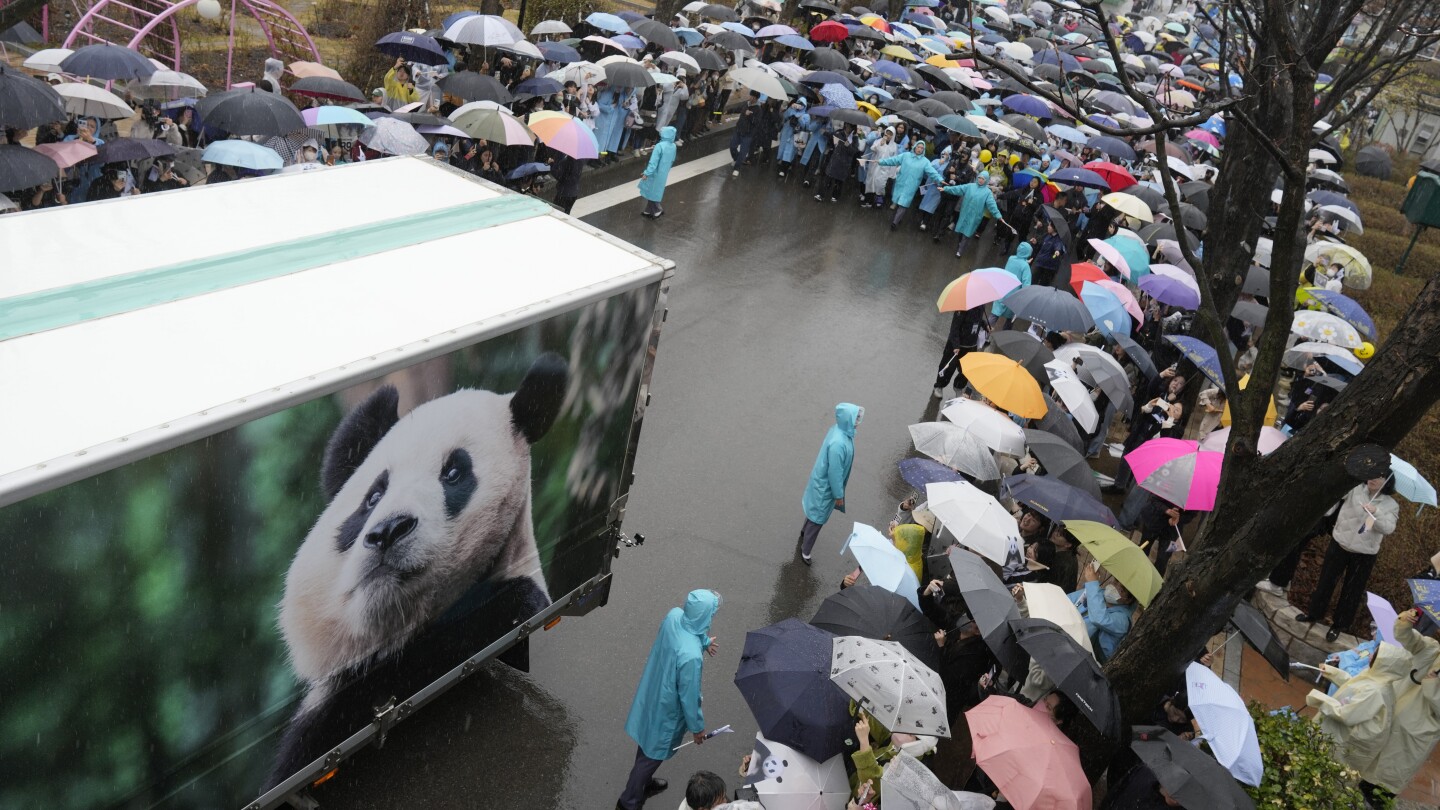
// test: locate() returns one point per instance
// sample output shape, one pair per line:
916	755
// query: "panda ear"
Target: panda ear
357	435
537	401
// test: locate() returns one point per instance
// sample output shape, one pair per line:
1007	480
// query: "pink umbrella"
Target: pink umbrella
1270	439
1127	298
1026	756
1178	471
976	288
67	153
1203	135
1111	256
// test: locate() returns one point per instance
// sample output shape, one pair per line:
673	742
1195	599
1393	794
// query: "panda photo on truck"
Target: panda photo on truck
424	554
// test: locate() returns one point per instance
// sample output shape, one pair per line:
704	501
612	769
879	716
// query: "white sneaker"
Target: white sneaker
817	198
1270	587
735	173
923	228
937	393
782	174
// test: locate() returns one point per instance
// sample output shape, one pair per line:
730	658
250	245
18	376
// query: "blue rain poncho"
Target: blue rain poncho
832	466
667	701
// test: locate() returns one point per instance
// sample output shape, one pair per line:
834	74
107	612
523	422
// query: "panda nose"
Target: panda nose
390	531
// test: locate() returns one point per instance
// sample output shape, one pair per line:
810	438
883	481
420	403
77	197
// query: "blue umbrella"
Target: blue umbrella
540	86
784	676
608	22
792	41
527	169
1080	177
1056	499
891	70
739	28
1409	482
555	52
1066	62
1027	105
1114	147
1425	593
837	96
458	16
242	154
412	47
918	472
689	36
1107	310
1067	133
870	90
925	21
821	111
884	564
629	41
1201	354
1347	308
106	61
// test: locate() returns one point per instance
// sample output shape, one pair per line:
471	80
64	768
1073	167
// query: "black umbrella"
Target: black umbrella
249	111
1055	310
1373	161
656	33
1055	499
1061	460
937	77
122	150
819	6
1074	671
1253	626
992	607
467	85
932	108
1190	215
1197	193
1054	217
1250	312
418	119
919	120
784	676
1192	777
827	59
715	11
955	101
326	87
1363	463
22	167
106	61
860	31
1114	147
1058	422
627	74
823	77
897	105
27	102
1137	355
1025	124
873	612
731	41
706	58
412	48
852	117
1257	281
1027	351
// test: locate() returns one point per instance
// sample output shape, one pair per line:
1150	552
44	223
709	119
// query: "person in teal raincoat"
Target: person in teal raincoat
914	167
1018	265
976	200
826	491
657	171
796	119
667	703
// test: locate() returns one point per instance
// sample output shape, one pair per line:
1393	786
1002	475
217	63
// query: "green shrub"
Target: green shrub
1301	772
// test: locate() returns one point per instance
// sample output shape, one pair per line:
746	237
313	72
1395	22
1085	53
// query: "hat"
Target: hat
379	91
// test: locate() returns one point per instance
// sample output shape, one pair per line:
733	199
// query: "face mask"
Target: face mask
1112	595
859	416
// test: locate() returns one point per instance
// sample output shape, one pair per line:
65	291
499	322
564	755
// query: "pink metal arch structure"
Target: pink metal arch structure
152	28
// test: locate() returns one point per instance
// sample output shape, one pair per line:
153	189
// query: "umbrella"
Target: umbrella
91	101
1189	775
1225	722
826	58
324	87
1358	273
1073	393
1253	626
1061	460
526	170
1123	559
1032	763
1410	483
1028	105
954	447
992	607
731	41
976	519
890	684
715	11
567	136
1344	306
413	47
1127	255
1425	594
1004	382
122	150
628	74
907	784
333	115
657	33
1080	177
243	154
993	428
485	30
106	61
1203	356
1384	615
1373	161
392	137
1137	355
1057	422
1325	328
784	676
1299	355
1176	292
1026	350
67	153
1051	604
555	52
708	59
1116	177
884	564
1055	499
1100	368
917	472
760	81
47	60
683	60
873	612
1051	308
851	117
26	102
1129	205
1178	471
495	126
1074	670
248	111
1112	147
785	779
1270	440
23	168
1250	312
1110	314
468	85
163	83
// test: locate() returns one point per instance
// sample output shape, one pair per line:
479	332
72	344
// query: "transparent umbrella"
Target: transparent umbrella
954	447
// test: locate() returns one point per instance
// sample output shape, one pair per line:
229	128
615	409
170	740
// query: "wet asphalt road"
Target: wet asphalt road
780	308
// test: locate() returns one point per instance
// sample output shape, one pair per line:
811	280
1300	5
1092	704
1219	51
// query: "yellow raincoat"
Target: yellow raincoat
1360	713
1416	726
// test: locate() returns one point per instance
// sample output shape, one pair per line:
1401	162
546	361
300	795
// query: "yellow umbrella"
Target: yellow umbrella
1271	414
869	109
1129	205
942	62
897	52
1005	383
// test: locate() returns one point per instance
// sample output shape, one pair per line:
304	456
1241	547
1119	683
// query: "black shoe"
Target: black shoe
1111	489
1306	618
656	786
894	225
1333	634
806	560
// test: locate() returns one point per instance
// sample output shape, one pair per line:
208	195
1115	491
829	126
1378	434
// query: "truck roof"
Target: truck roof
131	325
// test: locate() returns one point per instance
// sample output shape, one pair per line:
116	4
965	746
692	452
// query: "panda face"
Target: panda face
432	508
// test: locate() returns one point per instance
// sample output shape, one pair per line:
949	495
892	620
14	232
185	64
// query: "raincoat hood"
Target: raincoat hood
847	417
700	607
667	134
274	68
1024	250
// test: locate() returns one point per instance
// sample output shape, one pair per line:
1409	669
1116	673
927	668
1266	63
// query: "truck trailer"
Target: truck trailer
283	459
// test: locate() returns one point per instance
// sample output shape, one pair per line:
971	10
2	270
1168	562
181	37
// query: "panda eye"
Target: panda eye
374	499
451	474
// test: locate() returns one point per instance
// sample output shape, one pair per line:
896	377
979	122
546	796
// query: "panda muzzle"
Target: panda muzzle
390	531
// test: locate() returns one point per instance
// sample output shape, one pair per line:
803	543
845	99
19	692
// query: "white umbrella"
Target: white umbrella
994	429
1296	356
994	127
165	83
679	59
884	564
954	447
487	30
760	81
1090	356
1073	393
789	70
1050	602
908	785
1321	156
91	101
47	61
1018	51
7	204
1325	328
616	59
456	114
1226	724
1263	247
788	780
549	27
975	518
524	48
394	137
890	684
1344	213
582	73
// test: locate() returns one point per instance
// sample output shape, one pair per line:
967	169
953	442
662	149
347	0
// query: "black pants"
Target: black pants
950	365
1045	276
831	187
1284	570
942	215
640	775
565	203
1356	570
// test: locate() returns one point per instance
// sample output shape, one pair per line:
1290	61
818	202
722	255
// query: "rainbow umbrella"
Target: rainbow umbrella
976	288
1178	471
566	135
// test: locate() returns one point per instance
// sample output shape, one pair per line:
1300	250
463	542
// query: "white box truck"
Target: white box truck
283	459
